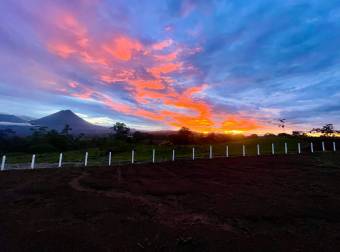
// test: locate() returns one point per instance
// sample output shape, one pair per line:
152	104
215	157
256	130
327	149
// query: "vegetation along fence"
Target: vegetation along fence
148	154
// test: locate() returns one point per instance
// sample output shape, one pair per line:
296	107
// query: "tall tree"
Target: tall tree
183	136
121	131
66	130
327	130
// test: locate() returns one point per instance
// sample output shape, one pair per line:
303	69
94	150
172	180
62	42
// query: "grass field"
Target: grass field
164	153
269	203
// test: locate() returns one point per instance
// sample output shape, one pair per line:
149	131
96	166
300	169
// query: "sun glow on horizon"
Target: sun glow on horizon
234	132
318	134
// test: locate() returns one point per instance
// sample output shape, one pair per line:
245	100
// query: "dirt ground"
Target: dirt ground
280	203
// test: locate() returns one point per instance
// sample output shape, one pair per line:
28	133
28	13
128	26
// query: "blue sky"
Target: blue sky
223	66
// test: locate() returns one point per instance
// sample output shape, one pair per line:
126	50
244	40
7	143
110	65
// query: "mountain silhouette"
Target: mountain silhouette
57	121
11	119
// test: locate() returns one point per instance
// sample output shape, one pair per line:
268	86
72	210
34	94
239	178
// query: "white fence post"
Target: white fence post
153	155
210	152
33	161
258	149
133	156
286	148
86	157
334	146
323	146
110	158
60	160
311	147
227	151
273	149
244	150
193	153
3	163
173	155
299	148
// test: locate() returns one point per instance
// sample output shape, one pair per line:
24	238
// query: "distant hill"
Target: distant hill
19	130
11	119
26	118
16	124
57	121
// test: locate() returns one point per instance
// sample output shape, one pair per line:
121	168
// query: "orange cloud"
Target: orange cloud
164	69
123	48
148	79
232	122
150	84
197	123
117	106
130	110
73	30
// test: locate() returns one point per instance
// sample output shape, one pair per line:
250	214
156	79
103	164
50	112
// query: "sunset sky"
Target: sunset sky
222	66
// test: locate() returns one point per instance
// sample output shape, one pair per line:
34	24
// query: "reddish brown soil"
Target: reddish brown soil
282	203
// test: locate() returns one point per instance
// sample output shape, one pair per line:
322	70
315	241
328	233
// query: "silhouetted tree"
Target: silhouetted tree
39	131
143	137
121	131
253	136
183	136
283	135
269	135
66	130
327	130
297	133
211	138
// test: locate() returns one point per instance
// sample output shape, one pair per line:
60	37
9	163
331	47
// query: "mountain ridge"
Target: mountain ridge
55	121
11	118
58	120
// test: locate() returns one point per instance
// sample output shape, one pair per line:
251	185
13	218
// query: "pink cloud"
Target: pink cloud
162	45
73	84
164	69
61	49
123	48
146	73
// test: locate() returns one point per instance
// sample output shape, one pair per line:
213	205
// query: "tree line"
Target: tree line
121	139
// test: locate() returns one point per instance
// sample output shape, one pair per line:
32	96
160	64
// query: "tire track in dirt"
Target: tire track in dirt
165	213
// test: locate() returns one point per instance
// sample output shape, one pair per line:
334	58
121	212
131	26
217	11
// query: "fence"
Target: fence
273	151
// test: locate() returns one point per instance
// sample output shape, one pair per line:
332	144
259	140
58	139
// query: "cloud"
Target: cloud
123	48
218	67
162	45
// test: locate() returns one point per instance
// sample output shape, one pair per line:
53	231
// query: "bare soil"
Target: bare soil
272	203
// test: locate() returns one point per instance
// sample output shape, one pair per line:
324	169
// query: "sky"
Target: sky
211	66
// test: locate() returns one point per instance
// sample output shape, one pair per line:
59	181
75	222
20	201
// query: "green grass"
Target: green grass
143	153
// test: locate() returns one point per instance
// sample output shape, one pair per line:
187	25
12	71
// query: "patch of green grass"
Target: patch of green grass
143	153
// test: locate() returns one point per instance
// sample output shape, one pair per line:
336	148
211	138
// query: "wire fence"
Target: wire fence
155	155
